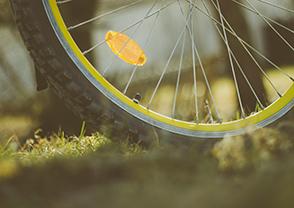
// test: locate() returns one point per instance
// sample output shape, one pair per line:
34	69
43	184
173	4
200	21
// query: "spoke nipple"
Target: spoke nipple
220	120
261	106
243	116
137	98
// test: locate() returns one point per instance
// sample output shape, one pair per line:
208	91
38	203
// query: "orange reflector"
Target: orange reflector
125	48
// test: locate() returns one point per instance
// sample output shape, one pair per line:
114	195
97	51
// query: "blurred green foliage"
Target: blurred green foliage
255	170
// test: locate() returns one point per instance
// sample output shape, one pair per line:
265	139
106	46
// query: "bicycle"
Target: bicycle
118	90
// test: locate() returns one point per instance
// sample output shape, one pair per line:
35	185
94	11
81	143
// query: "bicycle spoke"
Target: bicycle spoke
276	6
168	62
270	25
178	77
269	61
269	19
209	112
194	64
259	53
190	27
230	58
63	2
131	37
104	15
243	41
130	79
195	51
236	61
130	26
244	45
251	56
145	44
165	68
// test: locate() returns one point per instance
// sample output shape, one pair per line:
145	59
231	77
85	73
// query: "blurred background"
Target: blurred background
23	109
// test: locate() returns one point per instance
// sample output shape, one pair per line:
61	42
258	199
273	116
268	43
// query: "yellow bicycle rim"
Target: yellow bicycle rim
262	118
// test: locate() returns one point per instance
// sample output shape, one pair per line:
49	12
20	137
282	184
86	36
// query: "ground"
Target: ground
253	170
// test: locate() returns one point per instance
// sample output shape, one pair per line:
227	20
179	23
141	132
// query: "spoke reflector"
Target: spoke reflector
125	48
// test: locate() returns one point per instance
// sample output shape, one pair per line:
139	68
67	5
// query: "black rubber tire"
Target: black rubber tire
67	81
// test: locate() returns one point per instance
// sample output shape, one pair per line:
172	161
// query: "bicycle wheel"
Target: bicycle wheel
189	48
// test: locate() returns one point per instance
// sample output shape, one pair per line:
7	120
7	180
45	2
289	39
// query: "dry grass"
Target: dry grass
255	170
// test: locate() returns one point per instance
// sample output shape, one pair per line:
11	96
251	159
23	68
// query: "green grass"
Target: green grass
255	170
